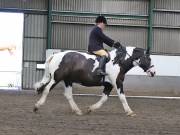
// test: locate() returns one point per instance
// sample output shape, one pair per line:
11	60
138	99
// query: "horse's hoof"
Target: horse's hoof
79	113
131	114
89	110
38	92
35	109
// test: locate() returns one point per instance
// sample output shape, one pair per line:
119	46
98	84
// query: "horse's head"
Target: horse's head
144	61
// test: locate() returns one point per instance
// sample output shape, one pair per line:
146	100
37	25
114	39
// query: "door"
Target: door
11	38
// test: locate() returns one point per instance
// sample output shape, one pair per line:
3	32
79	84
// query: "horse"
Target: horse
80	67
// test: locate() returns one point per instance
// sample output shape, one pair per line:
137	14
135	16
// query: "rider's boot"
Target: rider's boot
101	68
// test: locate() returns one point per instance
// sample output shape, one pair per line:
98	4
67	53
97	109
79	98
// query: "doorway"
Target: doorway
11	39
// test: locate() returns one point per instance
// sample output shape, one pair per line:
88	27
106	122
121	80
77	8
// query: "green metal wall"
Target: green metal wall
126	19
157	21
166	27
155	16
65	24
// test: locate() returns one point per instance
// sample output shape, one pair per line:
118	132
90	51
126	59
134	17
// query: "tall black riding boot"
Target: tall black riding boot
101	68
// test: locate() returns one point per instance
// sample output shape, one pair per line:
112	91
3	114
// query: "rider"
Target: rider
96	40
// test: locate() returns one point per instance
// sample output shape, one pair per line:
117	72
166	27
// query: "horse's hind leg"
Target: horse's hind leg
45	93
107	89
39	86
68	95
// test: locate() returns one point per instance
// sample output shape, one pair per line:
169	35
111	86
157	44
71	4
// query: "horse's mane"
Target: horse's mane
120	55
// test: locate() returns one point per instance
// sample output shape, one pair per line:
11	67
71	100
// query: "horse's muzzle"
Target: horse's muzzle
151	72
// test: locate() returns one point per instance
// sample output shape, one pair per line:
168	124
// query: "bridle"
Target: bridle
151	66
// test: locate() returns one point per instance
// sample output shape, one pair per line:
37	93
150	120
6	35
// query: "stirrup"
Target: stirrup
101	73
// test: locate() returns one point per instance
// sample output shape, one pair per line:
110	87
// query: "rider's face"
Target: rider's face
102	25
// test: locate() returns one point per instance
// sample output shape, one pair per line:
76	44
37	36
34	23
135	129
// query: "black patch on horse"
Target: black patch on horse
137	53
75	67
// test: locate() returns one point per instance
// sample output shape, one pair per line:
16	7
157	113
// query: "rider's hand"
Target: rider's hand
116	45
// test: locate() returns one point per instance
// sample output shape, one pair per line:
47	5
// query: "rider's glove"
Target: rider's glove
116	45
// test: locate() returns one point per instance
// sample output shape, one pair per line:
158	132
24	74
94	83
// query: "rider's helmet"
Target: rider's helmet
101	19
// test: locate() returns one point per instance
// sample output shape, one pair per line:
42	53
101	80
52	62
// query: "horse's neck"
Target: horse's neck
129	51
128	63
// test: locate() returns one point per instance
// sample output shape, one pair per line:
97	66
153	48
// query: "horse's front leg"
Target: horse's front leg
107	89
122	97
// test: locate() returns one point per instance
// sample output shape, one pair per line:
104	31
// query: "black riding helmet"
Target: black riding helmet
101	19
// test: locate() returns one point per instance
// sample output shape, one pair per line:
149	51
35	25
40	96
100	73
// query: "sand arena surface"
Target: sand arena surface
154	116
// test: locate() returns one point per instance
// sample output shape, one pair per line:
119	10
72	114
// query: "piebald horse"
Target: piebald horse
80	67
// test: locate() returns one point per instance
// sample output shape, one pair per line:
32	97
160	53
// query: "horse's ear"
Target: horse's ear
148	51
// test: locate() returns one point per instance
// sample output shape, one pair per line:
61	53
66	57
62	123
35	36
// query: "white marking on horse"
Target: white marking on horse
44	94
136	62
97	105
129	52
96	64
68	95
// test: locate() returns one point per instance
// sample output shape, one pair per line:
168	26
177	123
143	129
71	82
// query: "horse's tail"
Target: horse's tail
39	86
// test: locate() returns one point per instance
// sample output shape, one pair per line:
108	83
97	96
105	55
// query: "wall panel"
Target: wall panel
24	4
34	49
30	75
35	26
138	7
166	41
167	19
70	36
77	5
167	4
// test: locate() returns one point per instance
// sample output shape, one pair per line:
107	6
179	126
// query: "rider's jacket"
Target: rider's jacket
97	38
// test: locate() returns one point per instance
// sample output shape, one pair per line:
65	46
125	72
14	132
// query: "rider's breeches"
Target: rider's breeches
101	53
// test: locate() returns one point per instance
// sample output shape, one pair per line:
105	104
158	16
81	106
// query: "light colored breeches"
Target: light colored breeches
101	53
